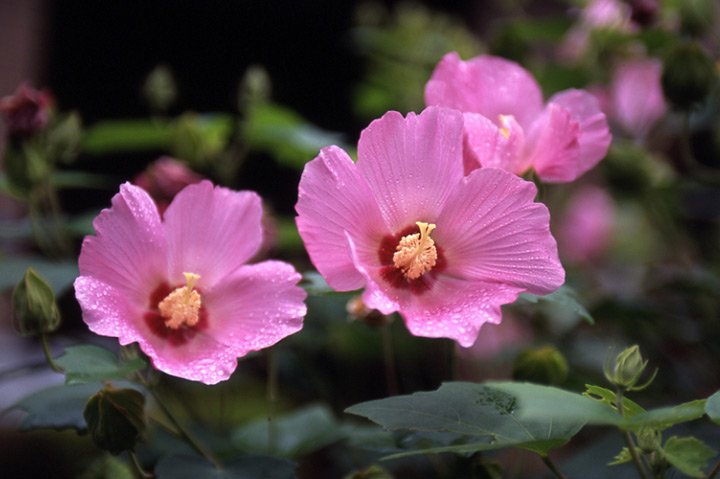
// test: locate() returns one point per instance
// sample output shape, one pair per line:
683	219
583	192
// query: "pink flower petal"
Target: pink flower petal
256	306
333	198
128	253
457	309
637	96
232	217
594	138
106	310
492	231
412	164
488	85
553	141
490	146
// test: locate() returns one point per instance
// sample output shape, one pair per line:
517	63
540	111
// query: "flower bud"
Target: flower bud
626	369
544	365
34	305
164	178
696	16
649	439
358	310
116	418
26	112
688	75
160	89
255	88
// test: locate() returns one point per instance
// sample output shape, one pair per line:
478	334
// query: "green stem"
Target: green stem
389	359
182	432
139	471
272	396
628	438
48	356
551	465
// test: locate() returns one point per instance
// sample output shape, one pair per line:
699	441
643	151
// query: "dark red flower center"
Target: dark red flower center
396	276
158	323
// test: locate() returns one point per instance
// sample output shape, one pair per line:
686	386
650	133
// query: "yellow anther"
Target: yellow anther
182	306
505	122
416	254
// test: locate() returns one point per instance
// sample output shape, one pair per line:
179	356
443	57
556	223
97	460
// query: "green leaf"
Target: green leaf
58	274
248	467
688	454
663	418
565	297
117	136
290	138
606	396
298	433
622	457
482	417
88	363
58	407
712	407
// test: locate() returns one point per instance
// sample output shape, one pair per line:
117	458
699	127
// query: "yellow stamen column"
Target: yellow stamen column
416	254
182	306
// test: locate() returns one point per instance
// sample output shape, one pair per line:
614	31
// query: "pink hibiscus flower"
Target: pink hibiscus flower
507	126
444	250
586	228
636	95
178	286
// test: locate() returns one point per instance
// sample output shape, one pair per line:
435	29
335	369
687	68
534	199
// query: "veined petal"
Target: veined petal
333	198
211	231
129	251
594	136
412	164
553	142
256	307
491	146
457	309
488	85
107	310
492	231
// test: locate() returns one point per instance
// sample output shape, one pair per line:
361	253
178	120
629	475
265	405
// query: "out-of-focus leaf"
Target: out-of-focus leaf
80	179
712	407
565	297
481	416
298	433
116	136
89	363
58	407
663	418
314	284
688	454
287	136
248	467
59	274
288	238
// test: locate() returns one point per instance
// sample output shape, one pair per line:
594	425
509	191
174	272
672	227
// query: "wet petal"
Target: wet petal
553	141
492	146
412	164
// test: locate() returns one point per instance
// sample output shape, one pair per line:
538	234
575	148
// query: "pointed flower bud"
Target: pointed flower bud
626	369
688	75
116	418
34	305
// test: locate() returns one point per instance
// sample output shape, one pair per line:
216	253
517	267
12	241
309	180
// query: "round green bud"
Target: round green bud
543	365
688	75
34	306
116	418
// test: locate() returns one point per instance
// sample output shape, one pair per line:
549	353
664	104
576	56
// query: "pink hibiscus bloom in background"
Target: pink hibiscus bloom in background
178	286
26	111
444	250
636	99
507	126
164	178
587	227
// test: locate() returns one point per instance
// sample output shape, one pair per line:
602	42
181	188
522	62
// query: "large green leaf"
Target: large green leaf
298	433
248	467
712	407
58	407
480	416
688	455
538	402
88	363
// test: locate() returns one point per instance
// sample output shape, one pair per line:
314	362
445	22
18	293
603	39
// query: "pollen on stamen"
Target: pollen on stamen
182	306
505	122
416	254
